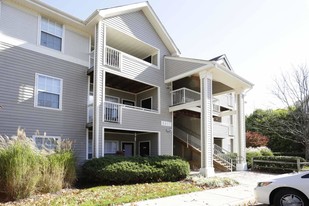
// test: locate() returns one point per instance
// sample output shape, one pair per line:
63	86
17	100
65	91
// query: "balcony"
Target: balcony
114	111
184	96
121	61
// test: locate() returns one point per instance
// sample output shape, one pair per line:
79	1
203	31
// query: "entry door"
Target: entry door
144	149
128	149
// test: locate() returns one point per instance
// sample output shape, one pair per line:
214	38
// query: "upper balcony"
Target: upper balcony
123	94
189	99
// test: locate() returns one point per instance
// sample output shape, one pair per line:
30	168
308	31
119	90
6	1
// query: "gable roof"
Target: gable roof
148	12
222	60
98	14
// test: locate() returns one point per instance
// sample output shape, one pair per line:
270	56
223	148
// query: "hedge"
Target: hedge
129	170
277	163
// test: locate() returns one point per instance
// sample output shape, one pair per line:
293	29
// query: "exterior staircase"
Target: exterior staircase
222	159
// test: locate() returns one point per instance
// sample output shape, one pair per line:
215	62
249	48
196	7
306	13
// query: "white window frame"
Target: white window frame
37	75
106	151
57	138
40	30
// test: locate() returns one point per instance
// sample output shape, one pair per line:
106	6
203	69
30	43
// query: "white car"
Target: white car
290	189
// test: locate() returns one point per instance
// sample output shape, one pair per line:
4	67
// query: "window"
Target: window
147	103
48	92
128	102
110	147
51	34
46	142
90	142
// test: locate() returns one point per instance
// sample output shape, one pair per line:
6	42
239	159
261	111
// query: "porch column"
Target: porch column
207	168
98	88
241	139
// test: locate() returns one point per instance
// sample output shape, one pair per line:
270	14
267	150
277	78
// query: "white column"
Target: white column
99	88
241	146
207	168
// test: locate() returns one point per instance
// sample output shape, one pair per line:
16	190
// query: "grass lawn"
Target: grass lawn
110	195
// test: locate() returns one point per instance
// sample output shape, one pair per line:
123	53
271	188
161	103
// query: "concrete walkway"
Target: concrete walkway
238	195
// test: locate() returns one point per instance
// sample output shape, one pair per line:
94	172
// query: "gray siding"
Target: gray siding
122	95
18	24
153	93
152	137
18	68
174	68
137	25
23	25
76	45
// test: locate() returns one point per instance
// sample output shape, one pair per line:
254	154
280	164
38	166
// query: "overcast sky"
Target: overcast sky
261	38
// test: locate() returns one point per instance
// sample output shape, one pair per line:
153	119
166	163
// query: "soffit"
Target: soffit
125	84
128	44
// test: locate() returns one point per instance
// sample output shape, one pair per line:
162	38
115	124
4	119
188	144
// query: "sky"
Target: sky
261	38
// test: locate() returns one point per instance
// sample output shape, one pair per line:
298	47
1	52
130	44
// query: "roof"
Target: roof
105	13
150	15
222	60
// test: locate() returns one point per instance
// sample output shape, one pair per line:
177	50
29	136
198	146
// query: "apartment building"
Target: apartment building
115	84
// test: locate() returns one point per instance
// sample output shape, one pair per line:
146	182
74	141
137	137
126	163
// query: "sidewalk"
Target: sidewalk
238	195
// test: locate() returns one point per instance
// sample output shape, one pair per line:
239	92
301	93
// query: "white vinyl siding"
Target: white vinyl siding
48	92
51	34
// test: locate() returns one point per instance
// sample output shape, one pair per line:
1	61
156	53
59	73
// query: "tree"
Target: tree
292	89
267	123
255	139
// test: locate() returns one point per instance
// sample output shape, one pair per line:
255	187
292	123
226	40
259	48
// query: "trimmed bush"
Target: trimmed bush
129	170
285	163
256	152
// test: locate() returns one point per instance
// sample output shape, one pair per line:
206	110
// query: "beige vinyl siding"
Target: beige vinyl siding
174	68
18	24
18	68
76	45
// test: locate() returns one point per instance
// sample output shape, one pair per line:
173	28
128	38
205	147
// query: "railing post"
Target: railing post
252	162
298	164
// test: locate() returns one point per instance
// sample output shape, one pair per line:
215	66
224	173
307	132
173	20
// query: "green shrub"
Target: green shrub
128	170
256	152
266	152
285	163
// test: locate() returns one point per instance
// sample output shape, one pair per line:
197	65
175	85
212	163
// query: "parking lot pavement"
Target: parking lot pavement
238	195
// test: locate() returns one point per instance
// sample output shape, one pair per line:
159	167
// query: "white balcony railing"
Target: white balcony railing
113	58
112	112
183	96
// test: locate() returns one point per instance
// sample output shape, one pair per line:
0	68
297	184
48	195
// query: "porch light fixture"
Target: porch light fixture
168	130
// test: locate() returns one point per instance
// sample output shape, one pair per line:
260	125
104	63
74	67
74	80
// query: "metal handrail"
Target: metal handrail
183	96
